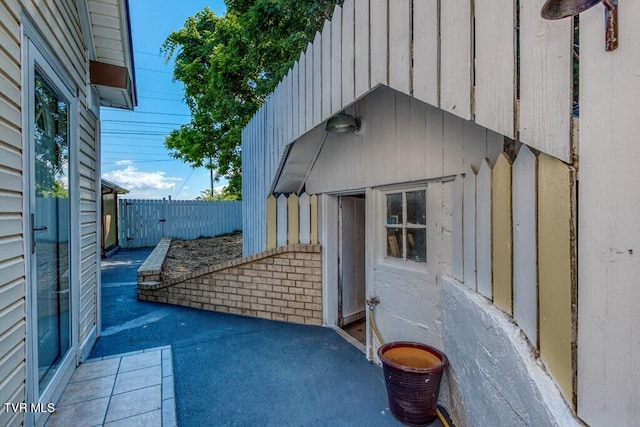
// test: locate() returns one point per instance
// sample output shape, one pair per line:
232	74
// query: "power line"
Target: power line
107	138
148	112
142	122
135	132
128	145
133	153
142	161
184	183
161	91
148	53
161	99
155	71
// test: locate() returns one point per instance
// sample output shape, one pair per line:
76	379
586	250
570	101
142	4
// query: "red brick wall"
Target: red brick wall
284	283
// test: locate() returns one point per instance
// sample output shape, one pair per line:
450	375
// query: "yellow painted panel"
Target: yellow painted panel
556	251
502	250
271	222
293	221
314	219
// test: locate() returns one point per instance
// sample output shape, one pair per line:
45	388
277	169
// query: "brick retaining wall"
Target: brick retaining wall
151	268
284	284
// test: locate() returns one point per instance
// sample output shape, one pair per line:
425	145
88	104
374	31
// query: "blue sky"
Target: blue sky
133	151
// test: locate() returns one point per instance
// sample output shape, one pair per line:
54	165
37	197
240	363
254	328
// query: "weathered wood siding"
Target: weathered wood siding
292	220
535	241
349	161
448	62
609	235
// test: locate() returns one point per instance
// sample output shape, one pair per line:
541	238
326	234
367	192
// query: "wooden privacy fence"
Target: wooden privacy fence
497	62
143	223
514	243
291	220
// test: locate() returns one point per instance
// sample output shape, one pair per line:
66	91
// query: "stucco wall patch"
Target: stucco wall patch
494	377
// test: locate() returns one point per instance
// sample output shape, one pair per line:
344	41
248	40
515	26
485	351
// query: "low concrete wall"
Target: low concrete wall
494	378
284	284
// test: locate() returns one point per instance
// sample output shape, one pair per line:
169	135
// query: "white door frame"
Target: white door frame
37	55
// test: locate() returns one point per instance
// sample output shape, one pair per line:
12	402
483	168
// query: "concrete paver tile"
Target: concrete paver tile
140	378
98	369
140	360
148	419
82	391
134	403
89	413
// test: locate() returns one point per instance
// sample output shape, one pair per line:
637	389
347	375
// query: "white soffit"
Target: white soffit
109	29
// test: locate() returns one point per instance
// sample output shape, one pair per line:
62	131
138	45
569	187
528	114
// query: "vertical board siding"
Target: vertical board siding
302	95
336	61
362	82
144	223
271	222
290	99
502	240
293	220
295	106
379	41
400	46
525	275
348	53
425	51
305	218
314	219
282	221
309	88
327	69
608	231
495	65
458	230
545	81
483	231
317	80
469	228
455	58
555	268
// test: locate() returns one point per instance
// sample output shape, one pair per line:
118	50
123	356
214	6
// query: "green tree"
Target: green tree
209	195
229	64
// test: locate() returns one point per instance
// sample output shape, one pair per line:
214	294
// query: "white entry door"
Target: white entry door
49	126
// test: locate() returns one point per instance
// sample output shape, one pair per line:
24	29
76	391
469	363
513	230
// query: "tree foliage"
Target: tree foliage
229	64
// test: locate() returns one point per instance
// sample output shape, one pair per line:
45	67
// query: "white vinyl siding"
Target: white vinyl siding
12	274
58	24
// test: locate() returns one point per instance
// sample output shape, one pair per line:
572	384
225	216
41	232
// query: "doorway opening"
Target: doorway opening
351	266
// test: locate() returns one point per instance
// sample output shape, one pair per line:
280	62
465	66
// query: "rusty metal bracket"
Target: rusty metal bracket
611	24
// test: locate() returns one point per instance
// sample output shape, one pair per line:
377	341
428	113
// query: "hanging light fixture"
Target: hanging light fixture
342	123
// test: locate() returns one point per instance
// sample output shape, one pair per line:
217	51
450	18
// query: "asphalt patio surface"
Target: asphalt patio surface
241	371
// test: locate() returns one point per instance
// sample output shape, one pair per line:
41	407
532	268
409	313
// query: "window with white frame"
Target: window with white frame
406	224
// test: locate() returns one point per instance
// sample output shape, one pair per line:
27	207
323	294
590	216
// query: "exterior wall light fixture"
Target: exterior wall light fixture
558	9
343	123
